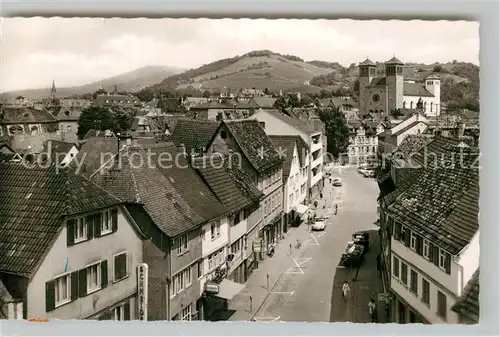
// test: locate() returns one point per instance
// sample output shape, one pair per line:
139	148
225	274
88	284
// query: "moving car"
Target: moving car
363	239
337	182
353	255
319	224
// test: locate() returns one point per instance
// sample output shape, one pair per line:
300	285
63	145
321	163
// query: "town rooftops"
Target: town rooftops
411	144
194	134
115	99
262	102
33	203
285	146
92	133
442	204
467	304
172	193
254	143
18	115
293	122
228	182
58	149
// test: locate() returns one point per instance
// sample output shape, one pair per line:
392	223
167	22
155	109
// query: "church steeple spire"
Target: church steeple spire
53	90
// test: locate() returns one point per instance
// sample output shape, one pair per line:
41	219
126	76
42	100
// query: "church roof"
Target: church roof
394	60
416	89
378	81
367	62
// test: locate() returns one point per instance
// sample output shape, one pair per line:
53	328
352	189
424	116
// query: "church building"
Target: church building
383	94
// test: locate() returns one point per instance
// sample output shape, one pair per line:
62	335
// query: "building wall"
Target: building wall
69	131
77	257
468	260
236	231
370	105
361	146
69	156
208	245
410	102
416	129
180	262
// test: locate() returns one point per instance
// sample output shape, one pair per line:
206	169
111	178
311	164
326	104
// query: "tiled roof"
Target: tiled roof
115	99
408	127
415	89
98	133
25	115
58	149
229	183
442	205
411	144
254	143
68	114
293	122
92	153
33	202
171	195
394	60
337	101
285	145
263	102
467	304
378	81
367	62
437	149
194	134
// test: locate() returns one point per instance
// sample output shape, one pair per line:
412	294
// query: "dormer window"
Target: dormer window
223	134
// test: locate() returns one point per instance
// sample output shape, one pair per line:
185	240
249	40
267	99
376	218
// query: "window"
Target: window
404	273
81	229
217	227
223	134
403	233
93	277
120	266
62	288
425	292
413	241
211	262
414	282
181	244
442	258
236	219
212	231
441	300
181	281
395	267
106	224
200	268
426	249
119	313
186	313
202	235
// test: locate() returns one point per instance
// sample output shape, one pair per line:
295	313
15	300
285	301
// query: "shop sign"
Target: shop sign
142	291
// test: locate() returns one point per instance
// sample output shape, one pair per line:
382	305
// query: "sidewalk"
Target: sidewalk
256	286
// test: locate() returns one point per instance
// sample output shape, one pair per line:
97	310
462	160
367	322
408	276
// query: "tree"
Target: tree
325	93
99	118
145	95
293	101
437	69
337	130
267	92
281	103
206	94
98	92
306	100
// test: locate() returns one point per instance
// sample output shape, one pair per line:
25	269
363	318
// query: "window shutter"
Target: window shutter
90	226
104	274
50	300
420	245
114	217
127	310
447	263
82	282
97	225
74	286
70	230
407	237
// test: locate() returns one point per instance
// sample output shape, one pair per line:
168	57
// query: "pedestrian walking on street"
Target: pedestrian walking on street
372	309
345	291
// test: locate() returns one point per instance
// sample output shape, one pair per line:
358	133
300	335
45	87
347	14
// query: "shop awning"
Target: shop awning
228	289
301	209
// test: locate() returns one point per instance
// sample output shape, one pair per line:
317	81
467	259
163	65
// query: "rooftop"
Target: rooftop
33	203
194	134
285	146
11	115
468	303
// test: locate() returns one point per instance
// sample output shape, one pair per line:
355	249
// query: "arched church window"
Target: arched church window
431	106
34	130
425	106
411	105
404	105
381	111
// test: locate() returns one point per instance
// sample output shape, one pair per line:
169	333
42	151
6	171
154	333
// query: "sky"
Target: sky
76	51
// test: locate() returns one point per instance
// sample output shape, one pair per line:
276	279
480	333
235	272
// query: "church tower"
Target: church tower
53	90
367	71
394	82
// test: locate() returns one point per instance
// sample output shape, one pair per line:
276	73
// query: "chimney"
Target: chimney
262	124
461	129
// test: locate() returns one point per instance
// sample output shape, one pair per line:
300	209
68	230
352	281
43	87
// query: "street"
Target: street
309	289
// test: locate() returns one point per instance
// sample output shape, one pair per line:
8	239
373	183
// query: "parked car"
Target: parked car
353	255
319	224
367	173
337	182
362	238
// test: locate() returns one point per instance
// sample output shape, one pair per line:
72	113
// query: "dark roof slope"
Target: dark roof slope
194	134
230	184
33	202
468	303
262	102
411	144
255	144
394	60
442	204
415	89
368	62
25	115
285	146
93	154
